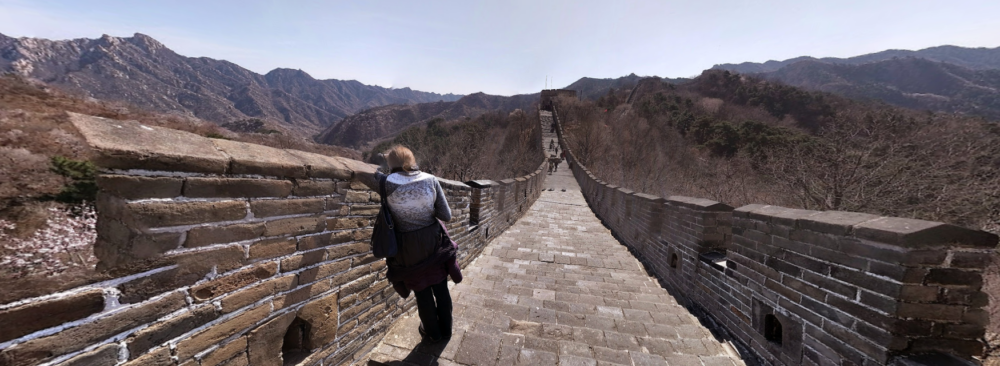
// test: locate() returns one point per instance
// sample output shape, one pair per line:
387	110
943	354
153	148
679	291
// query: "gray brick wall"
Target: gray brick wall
846	288
211	261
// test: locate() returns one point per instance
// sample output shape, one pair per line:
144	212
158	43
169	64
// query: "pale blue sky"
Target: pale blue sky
508	47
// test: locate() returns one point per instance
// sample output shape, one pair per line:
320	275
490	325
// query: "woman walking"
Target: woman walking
426	255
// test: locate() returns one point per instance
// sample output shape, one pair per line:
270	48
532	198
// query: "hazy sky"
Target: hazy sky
508	47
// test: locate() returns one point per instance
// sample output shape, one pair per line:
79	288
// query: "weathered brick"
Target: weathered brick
157	357
302	260
306	188
931	311
323	271
210	336
161	332
106	355
143	288
264	343
208	235
145	246
29	318
163	214
271	248
357	196
364	210
223	259
225	352
258	292
228	283
236	187
295	226
344	223
42	349
284	207
345	250
971	260
322	315
951	276
259	159
135	187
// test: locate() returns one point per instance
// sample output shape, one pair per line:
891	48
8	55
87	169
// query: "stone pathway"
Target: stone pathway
557	289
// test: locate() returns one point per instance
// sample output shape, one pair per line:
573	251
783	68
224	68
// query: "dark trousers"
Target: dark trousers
434	307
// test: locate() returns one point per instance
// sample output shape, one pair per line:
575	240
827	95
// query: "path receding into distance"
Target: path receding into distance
558	289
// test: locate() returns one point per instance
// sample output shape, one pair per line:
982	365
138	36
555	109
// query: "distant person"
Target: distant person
552	144
553	127
553	160
558	160
425	259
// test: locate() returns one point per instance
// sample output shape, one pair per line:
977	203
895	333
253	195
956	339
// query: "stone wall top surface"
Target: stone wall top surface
132	145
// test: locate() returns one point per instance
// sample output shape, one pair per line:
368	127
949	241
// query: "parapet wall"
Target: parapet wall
228	253
799	287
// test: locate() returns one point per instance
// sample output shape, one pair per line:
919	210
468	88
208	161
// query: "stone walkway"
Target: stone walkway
557	289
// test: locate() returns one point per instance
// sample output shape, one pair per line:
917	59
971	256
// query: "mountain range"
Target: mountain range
972	58
143	72
944	79
381	122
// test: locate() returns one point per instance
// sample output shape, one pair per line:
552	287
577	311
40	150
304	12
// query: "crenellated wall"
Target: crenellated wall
227	253
799	287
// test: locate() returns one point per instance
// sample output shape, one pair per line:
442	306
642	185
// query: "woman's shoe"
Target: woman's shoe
428	339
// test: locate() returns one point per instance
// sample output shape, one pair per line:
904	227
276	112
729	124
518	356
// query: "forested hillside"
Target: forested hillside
741	140
496	145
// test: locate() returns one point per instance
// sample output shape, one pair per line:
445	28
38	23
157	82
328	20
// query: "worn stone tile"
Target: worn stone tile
645	359
478	349
536	357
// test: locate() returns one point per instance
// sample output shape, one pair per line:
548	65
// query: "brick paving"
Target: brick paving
557	289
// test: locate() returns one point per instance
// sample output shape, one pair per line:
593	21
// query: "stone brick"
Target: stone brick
131	145
834	222
43	349
302	260
223	259
210	336
345	250
912	233
344	223
323	271
208	235
157	357
228	283
322	316
295	226
364	210
28	318
357	196
306	188
321	166
272	248
136	187
258	292
951	276
258	159
931	311
106	355
145	246
164	214
161	332
225	352
197	187
971	260
315	241
265	342
284	207
143	288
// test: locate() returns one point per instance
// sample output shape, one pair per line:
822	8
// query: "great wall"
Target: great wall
227	253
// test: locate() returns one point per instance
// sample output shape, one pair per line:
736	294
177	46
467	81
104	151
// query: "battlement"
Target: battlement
225	252
799	287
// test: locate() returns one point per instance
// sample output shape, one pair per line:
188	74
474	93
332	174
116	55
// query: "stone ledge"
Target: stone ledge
699	204
132	145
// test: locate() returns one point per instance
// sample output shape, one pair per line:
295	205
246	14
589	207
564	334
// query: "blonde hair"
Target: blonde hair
401	157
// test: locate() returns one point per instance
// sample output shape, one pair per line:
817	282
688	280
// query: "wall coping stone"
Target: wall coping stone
626	191
914	233
454	184
507	181
650	197
699	203
132	145
482	183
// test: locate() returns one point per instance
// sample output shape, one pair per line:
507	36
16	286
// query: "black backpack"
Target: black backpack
384	233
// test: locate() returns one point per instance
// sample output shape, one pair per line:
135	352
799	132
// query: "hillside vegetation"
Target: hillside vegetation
496	145
741	140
